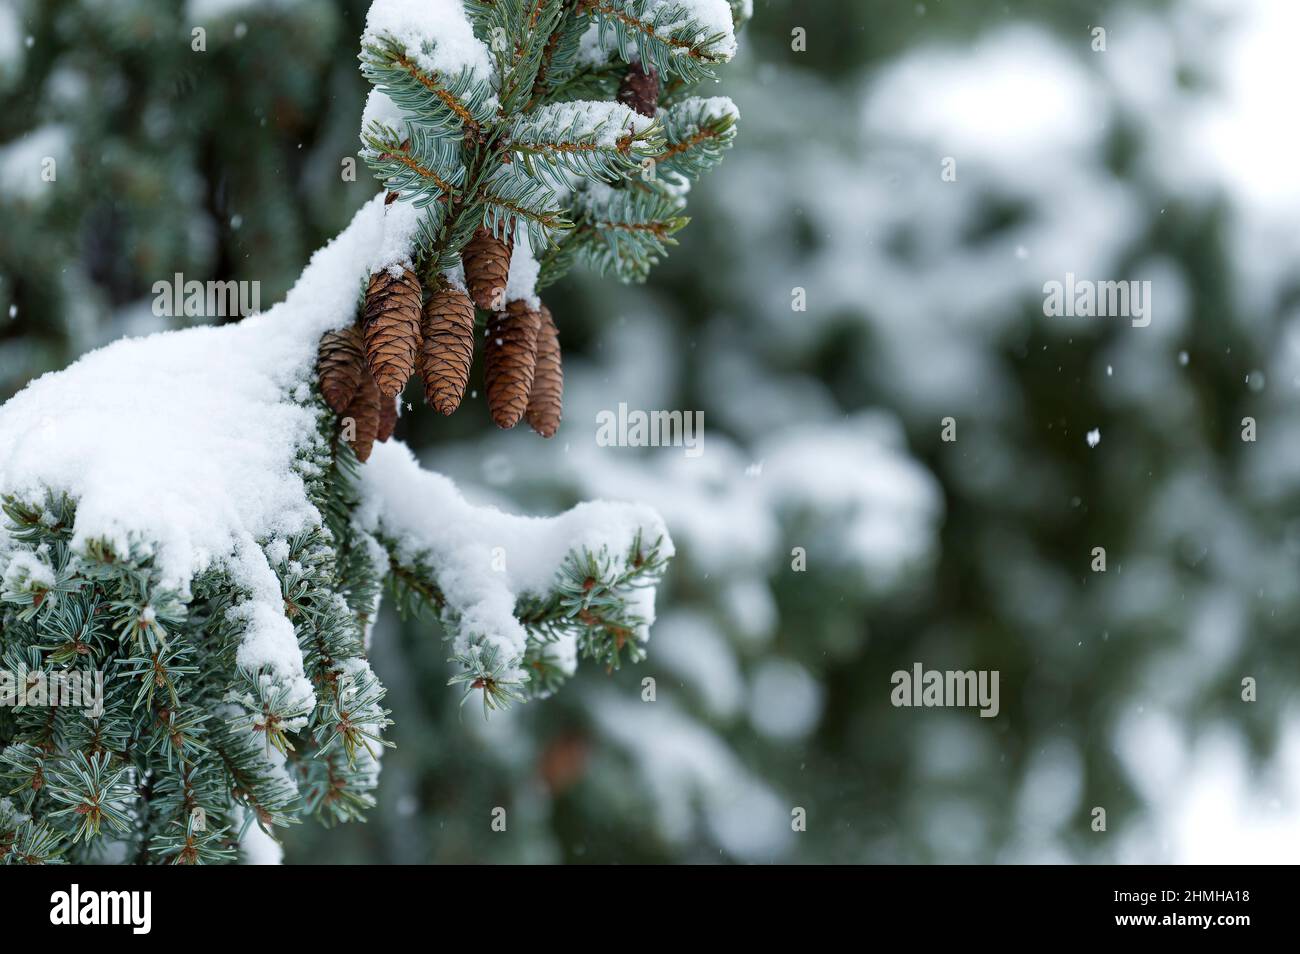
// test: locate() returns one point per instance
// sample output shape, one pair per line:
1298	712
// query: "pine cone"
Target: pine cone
639	90
547	399
341	367
487	269
387	419
448	349
392	329
510	358
363	416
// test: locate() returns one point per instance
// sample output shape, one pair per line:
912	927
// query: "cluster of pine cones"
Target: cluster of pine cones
364	367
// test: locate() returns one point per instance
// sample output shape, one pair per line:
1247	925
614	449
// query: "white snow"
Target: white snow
591	51
256	847
710	107
11	44
436	33
607	121
381	110
689	645
1094	437
713	15
429	520
184	443
24	570
198	10
683	763
785	702
397	249
23	162
521	284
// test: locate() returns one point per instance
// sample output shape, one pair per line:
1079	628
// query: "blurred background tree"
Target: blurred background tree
827	536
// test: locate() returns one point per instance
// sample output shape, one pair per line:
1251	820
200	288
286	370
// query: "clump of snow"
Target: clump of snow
785	700
23	162
592	51
713	15
606	121
1094	437
396	251
428	520
256	847
382	111
200	10
184	443
711	108
683	764
455	277
11	44
521	284
24	570
882	502
689	645
436	34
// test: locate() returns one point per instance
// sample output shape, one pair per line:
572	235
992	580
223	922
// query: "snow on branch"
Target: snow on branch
514	588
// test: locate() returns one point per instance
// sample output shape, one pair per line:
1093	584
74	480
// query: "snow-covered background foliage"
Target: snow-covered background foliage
1165	157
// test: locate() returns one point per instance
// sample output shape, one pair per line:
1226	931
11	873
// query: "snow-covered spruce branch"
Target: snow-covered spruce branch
520	599
192	531
198	537
697	132
601	141
478	116
624	232
685	38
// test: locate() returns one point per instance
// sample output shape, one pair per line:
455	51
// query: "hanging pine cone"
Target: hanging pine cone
387	419
510	358
487	269
341	366
639	90
448	349
392	329
547	398
361	419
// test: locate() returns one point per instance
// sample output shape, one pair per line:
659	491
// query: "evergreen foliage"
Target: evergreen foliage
523	152
190	750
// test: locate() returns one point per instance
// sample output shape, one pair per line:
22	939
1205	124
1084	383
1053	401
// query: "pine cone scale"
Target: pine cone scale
546	401
487	269
448	349
341	367
361	419
392	329
510	361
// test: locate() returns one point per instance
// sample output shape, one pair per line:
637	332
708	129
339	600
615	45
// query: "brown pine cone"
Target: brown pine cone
392	329
448	349
547	398
639	90
361	419
487	269
341	366
510	357
387	419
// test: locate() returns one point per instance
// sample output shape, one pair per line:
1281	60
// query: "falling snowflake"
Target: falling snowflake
1094	437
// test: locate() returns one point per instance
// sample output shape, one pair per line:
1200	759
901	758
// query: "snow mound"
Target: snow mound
482	557
436	33
186	445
